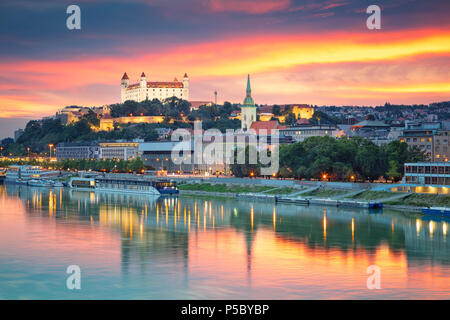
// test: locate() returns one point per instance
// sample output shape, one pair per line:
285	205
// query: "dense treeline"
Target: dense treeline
107	165
173	108
217	117
345	159
39	134
354	159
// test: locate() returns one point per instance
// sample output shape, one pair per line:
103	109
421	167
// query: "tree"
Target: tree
276	110
92	118
137	165
394	172
246	169
368	161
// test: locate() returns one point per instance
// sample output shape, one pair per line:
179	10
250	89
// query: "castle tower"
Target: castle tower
185	87
124	83
143	81
248	109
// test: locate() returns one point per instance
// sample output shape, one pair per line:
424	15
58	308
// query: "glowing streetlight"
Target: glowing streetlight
50	146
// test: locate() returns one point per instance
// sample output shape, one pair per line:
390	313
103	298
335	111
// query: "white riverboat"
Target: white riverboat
21	174
124	185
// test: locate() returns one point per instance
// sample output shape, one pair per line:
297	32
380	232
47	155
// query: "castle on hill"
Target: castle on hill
153	89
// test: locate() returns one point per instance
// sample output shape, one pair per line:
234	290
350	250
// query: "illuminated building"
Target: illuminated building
150	90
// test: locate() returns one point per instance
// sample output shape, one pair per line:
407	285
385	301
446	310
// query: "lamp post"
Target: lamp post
50	146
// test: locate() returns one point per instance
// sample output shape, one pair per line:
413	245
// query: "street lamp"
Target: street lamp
50	146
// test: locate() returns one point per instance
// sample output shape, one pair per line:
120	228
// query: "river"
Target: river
136	247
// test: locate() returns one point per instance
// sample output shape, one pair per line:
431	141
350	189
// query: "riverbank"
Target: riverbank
320	195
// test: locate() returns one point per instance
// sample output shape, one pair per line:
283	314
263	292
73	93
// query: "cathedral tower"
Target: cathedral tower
248	109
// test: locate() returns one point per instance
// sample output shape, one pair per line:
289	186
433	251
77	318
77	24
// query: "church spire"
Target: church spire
248	101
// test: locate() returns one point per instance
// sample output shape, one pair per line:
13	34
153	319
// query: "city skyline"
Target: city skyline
318	53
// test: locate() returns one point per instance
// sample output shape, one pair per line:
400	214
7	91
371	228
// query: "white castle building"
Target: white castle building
153	90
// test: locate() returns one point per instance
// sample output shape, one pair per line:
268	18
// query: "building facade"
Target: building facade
158	155
97	151
118	150
428	173
441	146
107	122
77	151
300	133
429	138
153	89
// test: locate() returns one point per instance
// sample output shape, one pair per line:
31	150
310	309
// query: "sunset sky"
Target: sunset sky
314	52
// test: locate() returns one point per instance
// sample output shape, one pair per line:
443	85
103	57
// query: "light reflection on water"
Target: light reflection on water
134	247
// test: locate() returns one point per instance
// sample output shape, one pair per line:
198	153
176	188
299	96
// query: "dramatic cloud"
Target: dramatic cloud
248	6
316	52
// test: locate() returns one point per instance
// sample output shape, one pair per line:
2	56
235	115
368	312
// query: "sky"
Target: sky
313	52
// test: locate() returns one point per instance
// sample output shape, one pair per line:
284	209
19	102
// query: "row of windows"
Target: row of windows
430	180
418	139
428	169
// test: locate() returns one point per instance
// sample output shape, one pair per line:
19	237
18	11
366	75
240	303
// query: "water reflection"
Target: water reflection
144	247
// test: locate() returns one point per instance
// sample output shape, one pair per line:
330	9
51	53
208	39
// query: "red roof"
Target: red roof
264	125
185	75
125	76
142	74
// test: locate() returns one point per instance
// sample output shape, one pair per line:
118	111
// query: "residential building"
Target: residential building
441	146
429	138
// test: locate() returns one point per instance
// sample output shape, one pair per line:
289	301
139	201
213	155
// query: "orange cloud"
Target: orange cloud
249	6
224	62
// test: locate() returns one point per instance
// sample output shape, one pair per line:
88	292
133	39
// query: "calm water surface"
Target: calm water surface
135	247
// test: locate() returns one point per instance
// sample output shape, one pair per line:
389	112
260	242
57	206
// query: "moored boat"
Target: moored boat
40	183
438	211
150	187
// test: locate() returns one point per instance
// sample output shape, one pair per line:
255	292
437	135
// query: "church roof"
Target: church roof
248	101
125	76
142	74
